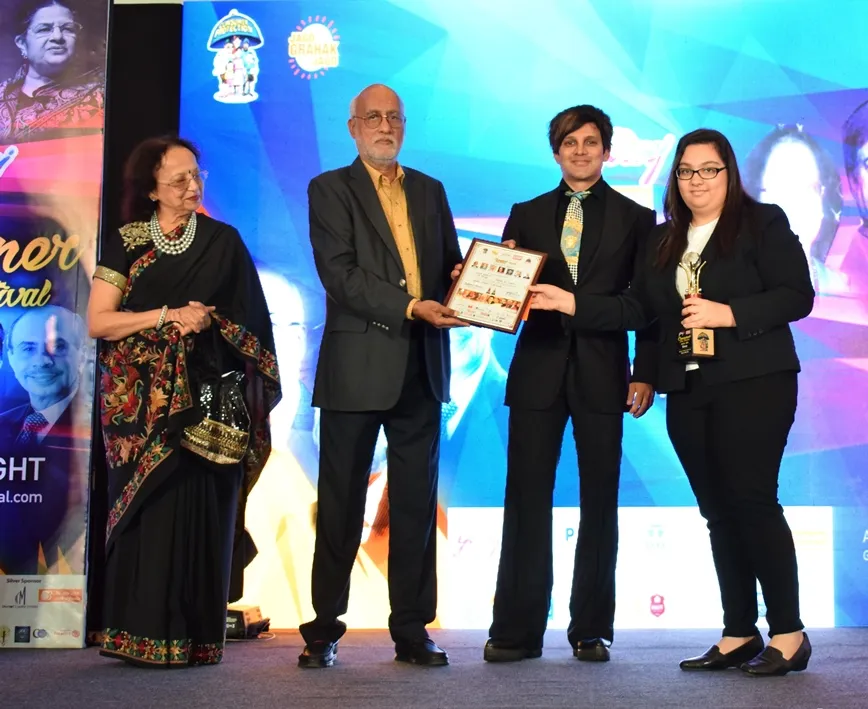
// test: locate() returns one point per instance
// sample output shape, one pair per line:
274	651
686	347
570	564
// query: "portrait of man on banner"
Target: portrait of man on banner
46	385
45	351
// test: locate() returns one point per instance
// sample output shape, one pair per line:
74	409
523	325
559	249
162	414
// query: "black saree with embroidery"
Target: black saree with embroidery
175	540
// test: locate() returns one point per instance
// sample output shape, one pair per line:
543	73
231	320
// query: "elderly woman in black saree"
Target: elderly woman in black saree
187	361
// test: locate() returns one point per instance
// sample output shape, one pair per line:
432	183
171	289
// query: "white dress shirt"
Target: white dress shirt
53	413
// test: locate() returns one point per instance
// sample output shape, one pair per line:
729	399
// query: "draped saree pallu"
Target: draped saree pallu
177	501
72	107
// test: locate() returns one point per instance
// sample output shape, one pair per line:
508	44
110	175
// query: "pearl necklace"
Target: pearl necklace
173	246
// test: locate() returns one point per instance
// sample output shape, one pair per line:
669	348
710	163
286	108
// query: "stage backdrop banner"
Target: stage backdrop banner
266	91
52	114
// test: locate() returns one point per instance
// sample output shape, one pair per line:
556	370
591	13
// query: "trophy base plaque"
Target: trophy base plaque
696	343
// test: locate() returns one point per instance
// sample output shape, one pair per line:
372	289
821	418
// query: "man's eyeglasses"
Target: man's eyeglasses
50	348
45	29
182	181
706	173
373	120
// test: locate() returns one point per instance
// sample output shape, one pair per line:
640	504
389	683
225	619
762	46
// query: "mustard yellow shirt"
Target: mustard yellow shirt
394	202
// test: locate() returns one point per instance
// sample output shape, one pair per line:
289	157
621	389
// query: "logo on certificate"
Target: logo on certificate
313	47
234	41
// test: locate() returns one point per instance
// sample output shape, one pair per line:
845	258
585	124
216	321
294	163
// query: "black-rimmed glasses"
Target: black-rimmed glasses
706	173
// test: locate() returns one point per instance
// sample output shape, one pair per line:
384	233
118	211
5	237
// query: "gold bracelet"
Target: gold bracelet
162	320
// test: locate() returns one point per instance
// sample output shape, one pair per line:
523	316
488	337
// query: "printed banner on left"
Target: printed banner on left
41	611
52	115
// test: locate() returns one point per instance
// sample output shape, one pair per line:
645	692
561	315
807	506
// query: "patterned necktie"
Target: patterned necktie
33	424
571	235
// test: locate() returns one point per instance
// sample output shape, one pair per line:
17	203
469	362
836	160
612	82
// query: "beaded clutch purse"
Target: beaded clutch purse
223	435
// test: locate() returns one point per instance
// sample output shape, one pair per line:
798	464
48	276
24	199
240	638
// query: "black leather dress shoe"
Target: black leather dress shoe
421	652
714	659
771	663
504	651
318	654
593	650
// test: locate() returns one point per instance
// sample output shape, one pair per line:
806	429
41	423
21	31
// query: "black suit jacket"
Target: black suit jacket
28	526
365	346
59	436
606	307
766	282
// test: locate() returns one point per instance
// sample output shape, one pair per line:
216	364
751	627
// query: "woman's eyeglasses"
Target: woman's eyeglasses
45	29
182	181
706	173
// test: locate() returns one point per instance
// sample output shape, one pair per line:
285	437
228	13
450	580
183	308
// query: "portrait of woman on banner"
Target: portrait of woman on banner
789	167
58	89
189	377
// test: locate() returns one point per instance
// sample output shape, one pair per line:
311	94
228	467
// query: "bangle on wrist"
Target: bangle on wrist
163	313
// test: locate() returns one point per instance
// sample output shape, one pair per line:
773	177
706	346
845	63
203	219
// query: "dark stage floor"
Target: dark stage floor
263	673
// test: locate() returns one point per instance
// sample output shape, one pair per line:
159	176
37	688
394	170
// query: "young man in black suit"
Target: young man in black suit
384	244
574	367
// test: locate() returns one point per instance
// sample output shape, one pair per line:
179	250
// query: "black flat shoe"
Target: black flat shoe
714	659
318	654
503	651
771	663
593	650
421	652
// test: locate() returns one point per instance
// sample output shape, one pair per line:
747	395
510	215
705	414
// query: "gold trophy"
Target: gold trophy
698	341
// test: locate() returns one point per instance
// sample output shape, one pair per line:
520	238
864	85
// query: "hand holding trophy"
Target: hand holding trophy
698	341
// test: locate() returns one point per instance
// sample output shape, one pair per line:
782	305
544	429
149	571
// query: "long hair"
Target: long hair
140	175
830	182
676	210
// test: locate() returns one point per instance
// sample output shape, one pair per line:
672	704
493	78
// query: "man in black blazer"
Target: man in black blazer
384	244
570	367
46	352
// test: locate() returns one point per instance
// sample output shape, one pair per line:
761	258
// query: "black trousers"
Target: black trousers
524	578
730	439
347	441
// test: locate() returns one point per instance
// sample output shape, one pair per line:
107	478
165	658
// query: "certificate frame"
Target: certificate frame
492	290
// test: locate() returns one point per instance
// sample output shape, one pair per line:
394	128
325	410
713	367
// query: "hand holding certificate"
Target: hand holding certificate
493	287
549	297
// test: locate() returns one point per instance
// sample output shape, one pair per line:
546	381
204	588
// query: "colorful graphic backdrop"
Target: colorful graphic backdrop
52	112
266	93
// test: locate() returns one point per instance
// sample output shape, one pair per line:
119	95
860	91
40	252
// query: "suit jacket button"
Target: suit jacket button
402	283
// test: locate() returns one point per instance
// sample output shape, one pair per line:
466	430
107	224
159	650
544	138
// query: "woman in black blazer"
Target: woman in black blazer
728	416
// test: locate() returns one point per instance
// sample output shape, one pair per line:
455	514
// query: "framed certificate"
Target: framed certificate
492	290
